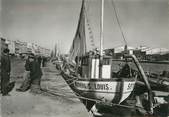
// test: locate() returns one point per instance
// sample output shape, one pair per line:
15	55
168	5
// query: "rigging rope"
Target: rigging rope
118	21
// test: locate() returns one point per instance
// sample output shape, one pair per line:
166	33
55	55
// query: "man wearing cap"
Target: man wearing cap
6	87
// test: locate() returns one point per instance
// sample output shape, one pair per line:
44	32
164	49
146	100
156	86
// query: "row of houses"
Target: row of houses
20	48
155	54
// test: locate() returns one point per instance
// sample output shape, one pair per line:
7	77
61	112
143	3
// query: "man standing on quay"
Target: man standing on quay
35	75
6	87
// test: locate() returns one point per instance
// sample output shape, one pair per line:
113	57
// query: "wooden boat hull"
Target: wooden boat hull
113	90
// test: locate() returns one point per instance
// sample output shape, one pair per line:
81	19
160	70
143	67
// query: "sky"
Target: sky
46	22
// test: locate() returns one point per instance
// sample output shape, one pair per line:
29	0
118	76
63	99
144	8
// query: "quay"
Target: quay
25	104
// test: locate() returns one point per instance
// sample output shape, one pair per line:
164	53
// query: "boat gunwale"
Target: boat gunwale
106	80
106	91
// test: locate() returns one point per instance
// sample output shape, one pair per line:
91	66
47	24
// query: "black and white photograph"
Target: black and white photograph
84	58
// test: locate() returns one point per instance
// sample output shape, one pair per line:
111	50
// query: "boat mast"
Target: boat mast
101	26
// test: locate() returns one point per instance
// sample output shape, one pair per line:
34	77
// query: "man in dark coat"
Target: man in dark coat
35	75
6	87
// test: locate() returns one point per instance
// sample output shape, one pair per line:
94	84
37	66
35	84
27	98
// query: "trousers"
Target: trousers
5	78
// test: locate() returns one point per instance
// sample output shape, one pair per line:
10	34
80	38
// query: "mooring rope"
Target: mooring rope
89	99
71	79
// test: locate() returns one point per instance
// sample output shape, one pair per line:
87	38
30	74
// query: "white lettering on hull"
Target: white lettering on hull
103	86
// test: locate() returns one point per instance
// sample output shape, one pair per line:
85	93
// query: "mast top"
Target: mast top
102	27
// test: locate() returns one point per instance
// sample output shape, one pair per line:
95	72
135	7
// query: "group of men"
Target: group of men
32	74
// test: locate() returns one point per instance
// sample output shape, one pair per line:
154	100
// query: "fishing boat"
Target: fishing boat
90	75
95	77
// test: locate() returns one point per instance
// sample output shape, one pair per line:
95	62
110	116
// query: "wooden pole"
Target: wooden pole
145	79
102	27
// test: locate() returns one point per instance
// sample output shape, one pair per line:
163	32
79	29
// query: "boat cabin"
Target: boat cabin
93	67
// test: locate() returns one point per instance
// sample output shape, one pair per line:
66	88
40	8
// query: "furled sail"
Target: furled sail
78	47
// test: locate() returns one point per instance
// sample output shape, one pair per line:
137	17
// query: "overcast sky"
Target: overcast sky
144	22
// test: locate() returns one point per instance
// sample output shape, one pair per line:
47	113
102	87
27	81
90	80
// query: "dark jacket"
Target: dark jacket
27	65
35	70
5	64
